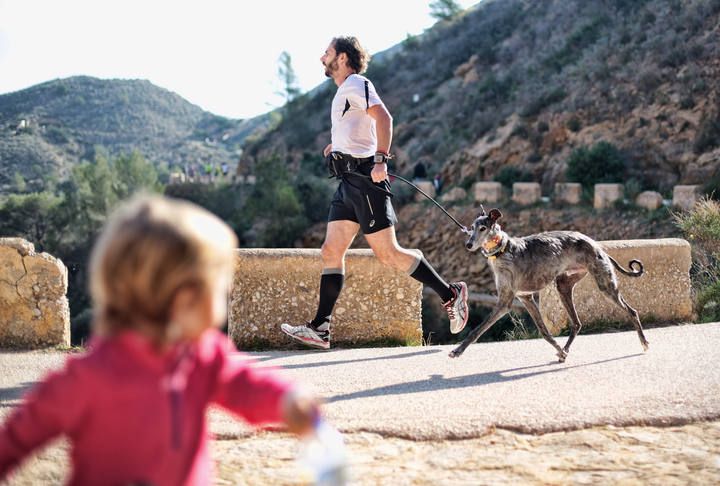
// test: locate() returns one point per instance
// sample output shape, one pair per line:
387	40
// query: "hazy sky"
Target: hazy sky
219	54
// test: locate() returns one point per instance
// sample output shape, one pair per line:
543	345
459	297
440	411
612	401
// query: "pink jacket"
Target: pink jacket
135	415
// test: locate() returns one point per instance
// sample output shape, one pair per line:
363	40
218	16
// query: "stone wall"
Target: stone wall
604	195
526	193
487	192
272	286
607	194
662	293
34	310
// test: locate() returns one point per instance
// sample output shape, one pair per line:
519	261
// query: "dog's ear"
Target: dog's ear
495	215
483	210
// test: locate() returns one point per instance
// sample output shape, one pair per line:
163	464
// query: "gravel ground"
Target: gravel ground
683	455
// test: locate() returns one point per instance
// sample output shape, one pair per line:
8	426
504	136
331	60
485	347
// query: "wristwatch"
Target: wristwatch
381	158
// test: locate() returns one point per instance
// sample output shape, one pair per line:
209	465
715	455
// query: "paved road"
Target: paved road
420	393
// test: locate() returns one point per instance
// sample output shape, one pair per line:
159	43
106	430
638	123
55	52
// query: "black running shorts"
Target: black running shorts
356	200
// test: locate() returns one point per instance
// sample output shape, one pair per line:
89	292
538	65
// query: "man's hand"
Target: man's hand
327	150
379	173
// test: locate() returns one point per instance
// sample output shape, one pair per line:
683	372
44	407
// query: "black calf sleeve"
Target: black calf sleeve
331	283
424	273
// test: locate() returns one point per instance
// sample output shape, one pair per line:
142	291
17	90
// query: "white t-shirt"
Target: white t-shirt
353	130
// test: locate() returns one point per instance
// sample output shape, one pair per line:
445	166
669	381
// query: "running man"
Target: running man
360	147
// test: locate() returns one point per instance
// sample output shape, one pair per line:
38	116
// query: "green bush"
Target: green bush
274	207
601	163
507	176
574	124
708	302
633	187
701	225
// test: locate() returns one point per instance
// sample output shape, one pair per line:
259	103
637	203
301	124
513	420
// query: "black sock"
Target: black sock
423	272
331	283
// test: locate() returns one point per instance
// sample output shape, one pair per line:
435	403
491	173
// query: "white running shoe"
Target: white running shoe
457	307
309	336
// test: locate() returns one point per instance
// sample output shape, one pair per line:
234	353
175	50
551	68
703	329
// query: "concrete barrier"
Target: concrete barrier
649	200
453	195
685	197
607	194
34	310
272	286
568	192
487	192
526	193
662	293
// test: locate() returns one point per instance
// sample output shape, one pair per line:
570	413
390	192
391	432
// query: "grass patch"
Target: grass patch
708	302
73	349
521	330
701	225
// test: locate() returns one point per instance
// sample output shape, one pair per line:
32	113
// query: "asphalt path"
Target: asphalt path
420	393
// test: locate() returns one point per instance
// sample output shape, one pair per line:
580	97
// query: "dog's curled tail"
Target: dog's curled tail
636	268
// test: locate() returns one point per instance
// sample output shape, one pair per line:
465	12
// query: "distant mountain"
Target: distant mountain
515	86
47	128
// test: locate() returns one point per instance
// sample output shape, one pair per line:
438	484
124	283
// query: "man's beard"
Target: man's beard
330	68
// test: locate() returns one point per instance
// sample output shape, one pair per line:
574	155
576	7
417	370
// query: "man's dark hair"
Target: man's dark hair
358	58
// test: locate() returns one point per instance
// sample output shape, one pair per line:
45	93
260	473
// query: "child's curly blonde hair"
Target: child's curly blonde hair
151	248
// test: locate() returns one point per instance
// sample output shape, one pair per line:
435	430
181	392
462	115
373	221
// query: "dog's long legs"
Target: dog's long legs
636	321
608	285
565	284
532	308
501	308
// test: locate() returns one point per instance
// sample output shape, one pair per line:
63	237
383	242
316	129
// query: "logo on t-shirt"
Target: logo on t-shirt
347	107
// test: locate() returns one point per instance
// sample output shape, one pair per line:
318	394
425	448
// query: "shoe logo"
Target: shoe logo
372	223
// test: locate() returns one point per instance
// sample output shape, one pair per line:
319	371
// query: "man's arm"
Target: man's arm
383	125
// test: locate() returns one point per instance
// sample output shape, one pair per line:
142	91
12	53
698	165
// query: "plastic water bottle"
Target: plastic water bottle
323	456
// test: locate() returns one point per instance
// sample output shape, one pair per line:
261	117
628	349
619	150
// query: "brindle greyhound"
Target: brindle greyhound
524	266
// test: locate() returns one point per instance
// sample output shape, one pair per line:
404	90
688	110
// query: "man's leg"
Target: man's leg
338	238
454	296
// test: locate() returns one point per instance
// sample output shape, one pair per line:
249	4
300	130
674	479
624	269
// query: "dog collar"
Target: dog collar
496	247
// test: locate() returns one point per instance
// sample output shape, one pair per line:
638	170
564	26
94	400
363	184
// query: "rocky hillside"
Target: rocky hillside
522	83
47	128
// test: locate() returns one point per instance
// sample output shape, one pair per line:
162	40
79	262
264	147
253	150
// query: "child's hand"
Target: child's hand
301	412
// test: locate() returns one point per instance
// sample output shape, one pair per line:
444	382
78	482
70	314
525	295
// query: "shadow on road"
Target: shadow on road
9	396
438	382
347	361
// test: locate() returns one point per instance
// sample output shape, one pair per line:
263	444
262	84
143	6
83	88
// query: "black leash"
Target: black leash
462	227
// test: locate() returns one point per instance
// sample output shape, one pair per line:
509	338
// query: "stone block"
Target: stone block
607	194
568	192
272	286
455	194
649	200
685	197
662	293
487	192
526	193
34	310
